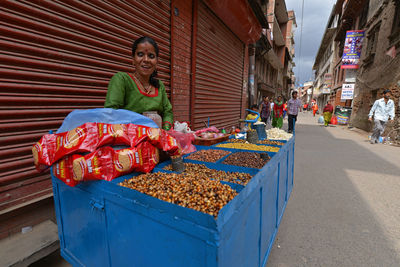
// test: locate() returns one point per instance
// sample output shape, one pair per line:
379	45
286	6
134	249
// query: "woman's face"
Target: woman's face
279	99
145	59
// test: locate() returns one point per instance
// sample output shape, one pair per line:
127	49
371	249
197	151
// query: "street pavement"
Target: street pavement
345	206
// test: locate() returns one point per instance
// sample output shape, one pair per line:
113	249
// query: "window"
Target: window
372	37
395	36
364	15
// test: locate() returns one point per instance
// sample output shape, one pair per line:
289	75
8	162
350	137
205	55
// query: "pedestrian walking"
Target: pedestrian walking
314	109
382	111
277	117
271	103
265	110
294	106
284	109
328	110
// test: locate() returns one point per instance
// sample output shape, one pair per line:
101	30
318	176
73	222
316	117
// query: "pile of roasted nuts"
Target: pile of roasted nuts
246	159
263	142
248	146
186	190
211	155
201	171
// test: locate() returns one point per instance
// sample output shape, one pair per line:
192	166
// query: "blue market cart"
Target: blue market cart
103	224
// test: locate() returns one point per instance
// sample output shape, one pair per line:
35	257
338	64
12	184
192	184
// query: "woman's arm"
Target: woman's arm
116	92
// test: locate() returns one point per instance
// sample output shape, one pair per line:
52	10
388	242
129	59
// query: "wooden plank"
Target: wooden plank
24	249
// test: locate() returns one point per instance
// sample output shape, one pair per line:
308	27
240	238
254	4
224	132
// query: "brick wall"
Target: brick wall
382	73
181	44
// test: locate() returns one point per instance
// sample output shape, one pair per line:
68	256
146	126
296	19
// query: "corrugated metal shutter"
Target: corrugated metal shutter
57	56
219	72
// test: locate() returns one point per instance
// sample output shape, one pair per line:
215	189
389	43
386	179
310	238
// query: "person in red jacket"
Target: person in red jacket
328	110
314	109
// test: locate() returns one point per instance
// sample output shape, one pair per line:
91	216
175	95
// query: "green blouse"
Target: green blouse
125	92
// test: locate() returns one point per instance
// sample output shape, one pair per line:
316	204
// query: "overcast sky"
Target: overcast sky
316	13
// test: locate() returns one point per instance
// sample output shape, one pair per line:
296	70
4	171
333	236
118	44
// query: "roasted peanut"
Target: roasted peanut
187	190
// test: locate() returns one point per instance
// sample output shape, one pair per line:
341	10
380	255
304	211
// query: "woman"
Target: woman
328	109
314	109
277	120
265	110
141	91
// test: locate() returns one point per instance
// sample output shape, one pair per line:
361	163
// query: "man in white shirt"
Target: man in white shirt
382	110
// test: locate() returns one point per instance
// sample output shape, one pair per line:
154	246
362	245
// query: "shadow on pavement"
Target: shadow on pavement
328	222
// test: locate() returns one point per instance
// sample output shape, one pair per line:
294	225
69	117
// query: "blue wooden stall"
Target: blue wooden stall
103	224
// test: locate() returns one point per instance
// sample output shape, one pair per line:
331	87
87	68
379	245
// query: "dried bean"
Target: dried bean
246	159
211	155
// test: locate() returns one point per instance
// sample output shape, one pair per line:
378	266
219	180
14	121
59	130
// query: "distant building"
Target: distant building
323	64
379	64
274	53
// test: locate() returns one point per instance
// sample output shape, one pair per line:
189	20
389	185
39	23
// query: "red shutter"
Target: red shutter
57	56
219	72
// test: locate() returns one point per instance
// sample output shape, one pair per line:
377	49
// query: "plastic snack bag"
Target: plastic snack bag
53	147
106	164
157	137
113	134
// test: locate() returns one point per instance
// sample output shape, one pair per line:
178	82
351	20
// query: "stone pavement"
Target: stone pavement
345	205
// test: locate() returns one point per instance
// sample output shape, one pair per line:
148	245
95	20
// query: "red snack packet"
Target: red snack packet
63	171
53	147
157	137
139	133
97	165
43	152
113	134
169	144
106	164
142	158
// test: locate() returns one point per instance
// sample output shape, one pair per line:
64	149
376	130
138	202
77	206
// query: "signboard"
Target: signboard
347	91
351	75
309	91
352	49
328	77
326	90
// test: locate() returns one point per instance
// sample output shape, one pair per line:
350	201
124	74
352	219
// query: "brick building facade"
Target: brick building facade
379	66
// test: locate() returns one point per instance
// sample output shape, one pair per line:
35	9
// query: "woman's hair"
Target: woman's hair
145	39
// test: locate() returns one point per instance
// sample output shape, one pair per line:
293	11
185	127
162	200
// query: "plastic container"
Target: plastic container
252	137
103	224
260	129
154	116
177	164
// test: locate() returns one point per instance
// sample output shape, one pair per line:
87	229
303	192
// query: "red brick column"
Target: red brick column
181	43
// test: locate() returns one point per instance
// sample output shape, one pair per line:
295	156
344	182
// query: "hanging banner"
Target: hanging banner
347	91
352	49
